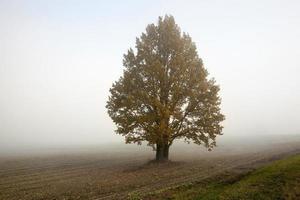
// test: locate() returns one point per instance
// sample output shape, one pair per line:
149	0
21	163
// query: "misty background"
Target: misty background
58	60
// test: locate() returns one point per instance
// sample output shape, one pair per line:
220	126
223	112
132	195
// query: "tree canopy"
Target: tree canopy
165	93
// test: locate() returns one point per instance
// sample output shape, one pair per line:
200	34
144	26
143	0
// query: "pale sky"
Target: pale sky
59	58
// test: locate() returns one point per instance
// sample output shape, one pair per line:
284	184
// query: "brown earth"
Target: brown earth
119	174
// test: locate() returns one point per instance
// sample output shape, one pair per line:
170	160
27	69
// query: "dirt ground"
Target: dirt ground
119	173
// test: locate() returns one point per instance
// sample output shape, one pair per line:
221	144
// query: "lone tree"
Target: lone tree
164	93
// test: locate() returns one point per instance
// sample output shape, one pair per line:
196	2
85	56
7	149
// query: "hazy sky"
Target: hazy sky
58	59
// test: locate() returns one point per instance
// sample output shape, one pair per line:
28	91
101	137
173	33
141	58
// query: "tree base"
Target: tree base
162	153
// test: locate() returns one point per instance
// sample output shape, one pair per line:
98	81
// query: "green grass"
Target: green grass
278	180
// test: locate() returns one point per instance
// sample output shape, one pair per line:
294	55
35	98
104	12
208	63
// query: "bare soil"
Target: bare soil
120	174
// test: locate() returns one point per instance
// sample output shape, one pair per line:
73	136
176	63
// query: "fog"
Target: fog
58	60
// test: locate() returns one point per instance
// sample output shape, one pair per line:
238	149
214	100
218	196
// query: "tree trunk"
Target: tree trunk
162	152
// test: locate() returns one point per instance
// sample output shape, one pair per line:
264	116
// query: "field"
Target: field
278	180
125	172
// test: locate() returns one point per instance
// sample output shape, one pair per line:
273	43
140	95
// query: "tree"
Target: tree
164	93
